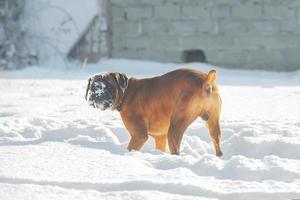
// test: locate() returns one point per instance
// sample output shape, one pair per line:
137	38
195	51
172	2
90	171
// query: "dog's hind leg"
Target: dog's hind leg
161	142
175	134
182	117
215	134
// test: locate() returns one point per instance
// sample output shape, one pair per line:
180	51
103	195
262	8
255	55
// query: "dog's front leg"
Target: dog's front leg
137	141
161	142
138	131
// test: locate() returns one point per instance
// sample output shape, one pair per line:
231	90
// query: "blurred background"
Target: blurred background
244	34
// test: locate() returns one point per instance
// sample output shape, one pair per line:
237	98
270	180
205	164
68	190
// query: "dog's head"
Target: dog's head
104	90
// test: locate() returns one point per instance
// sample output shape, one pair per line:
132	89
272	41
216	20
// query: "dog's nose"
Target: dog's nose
93	104
90	100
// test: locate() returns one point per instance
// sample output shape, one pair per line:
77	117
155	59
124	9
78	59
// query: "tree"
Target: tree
14	52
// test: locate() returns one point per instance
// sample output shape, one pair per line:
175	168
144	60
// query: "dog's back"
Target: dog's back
157	99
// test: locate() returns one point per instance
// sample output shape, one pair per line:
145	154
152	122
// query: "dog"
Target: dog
162	107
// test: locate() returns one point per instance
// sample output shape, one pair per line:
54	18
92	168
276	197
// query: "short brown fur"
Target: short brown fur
164	106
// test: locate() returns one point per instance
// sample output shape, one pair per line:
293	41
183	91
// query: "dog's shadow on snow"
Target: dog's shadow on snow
107	146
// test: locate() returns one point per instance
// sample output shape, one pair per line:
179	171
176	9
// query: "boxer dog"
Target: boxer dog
162	107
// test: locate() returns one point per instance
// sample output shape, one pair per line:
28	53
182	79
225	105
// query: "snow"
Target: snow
53	145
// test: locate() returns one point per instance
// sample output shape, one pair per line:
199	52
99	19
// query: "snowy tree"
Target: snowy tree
51	31
14	52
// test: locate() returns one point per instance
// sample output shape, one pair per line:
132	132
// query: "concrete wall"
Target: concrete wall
233	33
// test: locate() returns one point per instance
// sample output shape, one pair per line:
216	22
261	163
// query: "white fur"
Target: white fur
100	91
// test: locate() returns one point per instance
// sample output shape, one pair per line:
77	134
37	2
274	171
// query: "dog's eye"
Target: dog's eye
96	86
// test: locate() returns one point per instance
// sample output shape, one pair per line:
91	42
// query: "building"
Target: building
251	34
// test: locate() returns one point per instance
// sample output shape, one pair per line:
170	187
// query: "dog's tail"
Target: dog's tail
211	76
210	81
207	88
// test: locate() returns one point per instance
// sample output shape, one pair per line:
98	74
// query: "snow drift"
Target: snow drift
54	146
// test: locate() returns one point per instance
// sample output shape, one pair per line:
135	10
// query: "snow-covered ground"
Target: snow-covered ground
54	146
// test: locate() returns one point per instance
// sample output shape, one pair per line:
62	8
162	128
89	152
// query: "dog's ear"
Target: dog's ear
87	88
211	76
121	79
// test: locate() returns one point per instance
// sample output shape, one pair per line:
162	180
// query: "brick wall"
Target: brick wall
253	34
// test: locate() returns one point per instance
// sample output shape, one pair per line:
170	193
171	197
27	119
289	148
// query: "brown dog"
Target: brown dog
162	107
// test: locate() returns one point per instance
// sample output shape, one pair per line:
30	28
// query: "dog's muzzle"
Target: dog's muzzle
94	101
93	97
